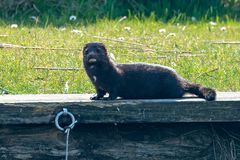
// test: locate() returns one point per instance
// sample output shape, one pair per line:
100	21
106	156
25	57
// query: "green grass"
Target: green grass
215	66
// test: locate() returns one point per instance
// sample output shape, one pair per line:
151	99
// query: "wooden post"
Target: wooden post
187	128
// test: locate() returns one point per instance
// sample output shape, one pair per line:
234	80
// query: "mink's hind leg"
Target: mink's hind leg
208	93
199	90
100	94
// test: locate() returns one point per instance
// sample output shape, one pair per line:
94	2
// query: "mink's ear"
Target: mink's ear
103	47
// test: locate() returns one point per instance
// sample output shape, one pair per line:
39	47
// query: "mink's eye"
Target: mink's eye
86	51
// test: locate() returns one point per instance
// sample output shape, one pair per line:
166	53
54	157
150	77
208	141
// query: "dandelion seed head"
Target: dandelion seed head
212	23
121	38
14	26
223	29
194	19
128	29
162	30
171	35
62	29
73	18
34	18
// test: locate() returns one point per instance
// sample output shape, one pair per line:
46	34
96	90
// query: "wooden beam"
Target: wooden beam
120	129
184	141
42	109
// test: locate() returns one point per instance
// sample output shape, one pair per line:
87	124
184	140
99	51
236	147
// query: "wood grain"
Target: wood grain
42	109
187	141
121	129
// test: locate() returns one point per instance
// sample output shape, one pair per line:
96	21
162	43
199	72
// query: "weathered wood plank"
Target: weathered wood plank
31	98
120	129
187	141
41	109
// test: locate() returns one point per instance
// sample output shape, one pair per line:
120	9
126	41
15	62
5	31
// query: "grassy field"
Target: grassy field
184	47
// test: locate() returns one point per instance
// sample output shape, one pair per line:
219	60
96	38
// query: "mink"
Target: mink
136	80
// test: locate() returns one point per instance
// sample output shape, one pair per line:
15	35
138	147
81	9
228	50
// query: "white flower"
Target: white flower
76	31
121	38
34	18
62	28
72	18
194	19
223	28
127	29
162	30
171	35
14	26
213	23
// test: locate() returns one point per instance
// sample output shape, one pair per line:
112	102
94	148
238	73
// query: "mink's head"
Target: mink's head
95	54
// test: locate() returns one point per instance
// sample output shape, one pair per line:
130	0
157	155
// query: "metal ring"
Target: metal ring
65	112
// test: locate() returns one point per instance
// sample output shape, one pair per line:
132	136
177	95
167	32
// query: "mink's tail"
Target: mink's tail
199	90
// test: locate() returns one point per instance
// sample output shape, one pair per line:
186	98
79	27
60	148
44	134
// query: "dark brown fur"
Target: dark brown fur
137	80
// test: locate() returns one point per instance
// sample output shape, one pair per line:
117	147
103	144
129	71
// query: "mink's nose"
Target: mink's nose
91	53
92	57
